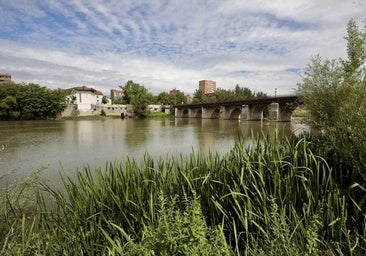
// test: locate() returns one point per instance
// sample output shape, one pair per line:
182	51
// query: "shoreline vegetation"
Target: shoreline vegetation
155	115
276	197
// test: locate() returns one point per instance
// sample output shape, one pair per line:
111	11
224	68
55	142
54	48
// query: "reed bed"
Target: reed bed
274	197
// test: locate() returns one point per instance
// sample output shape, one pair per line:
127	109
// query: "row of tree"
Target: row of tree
30	101
239	93
139	96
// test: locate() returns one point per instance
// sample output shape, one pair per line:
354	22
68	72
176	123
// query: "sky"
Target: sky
265	45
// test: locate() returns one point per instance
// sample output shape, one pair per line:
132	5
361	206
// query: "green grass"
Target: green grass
159	115
276	197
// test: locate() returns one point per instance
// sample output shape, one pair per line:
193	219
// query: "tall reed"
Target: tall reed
274	197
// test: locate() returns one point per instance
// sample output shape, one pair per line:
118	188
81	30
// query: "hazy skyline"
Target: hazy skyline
164	45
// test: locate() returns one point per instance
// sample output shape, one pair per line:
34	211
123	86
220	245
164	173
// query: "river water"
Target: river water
63	147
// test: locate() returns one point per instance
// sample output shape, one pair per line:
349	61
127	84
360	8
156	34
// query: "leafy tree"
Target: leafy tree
30	101
138	96
334	92
223	95
199	96
243	92
104	100
259	94
329	86
171	98
164	98
356	51
178	98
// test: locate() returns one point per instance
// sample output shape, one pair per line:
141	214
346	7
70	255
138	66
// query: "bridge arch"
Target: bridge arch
185	113
215	114
235	113
198	114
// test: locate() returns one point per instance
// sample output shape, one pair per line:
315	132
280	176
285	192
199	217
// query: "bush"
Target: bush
177	232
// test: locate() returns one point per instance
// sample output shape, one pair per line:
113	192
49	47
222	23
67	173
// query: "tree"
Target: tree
334	92
171	98
329	86
104	100
355	49
223	95
243	92
199	96
30	101
178	98
138	96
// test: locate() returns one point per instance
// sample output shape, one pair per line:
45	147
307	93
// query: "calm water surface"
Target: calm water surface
65	146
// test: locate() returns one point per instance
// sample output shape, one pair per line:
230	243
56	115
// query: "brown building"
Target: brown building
207	86
115	94
174	92
4	77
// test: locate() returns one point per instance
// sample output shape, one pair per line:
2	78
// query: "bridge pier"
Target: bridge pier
279	112
252	112
205	113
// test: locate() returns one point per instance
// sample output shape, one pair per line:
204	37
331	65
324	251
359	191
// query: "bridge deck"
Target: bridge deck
259	100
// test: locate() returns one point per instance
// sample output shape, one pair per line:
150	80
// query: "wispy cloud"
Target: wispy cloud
170	44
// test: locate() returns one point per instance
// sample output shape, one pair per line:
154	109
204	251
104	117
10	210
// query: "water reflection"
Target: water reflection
65	146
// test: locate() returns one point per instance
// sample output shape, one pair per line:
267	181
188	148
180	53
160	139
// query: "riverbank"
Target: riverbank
154	115
276	197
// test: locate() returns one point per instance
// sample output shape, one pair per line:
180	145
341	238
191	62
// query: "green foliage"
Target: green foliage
159	115
243	92
223	95
18	218
165	98
30	101
329	86
199	97
138	96
334	92
276	197
177	232
104	100
239	93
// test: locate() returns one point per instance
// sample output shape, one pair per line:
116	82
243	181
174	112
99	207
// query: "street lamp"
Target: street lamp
275	92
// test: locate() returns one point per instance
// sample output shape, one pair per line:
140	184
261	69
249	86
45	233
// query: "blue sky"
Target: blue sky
165	44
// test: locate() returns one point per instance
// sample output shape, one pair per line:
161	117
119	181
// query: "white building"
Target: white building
84	97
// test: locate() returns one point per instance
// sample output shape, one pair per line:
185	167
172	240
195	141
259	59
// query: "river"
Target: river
65	146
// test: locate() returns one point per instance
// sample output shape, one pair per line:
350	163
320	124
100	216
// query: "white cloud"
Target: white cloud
171	44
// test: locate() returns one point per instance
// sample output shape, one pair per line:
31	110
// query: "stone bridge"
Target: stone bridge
280	109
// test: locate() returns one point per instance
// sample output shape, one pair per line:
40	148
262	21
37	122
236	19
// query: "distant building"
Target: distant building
4	77
207	86
84	97
115	94
189	98
174	92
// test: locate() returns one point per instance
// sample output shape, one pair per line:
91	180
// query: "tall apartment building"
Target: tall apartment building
4	77
207	86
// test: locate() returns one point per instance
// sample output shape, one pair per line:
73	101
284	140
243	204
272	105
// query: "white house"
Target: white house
84	97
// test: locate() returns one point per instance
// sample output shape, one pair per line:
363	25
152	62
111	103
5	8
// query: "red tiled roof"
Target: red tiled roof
86	89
